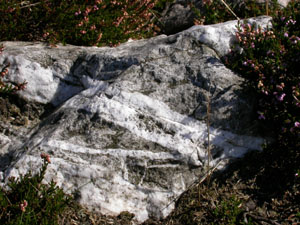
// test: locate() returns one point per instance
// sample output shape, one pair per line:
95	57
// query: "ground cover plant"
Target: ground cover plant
251	191
78	22
270	61
5	86
29	201
219	11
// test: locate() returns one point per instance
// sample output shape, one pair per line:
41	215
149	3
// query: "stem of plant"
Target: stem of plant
208	136
230	9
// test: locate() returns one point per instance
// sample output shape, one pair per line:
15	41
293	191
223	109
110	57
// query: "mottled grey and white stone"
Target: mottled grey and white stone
129	130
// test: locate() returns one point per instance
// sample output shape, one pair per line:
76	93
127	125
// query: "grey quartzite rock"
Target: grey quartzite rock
129	129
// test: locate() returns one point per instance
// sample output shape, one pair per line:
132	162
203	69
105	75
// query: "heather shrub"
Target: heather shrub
229	211
213	12
5	86
270	60
29	201
78	22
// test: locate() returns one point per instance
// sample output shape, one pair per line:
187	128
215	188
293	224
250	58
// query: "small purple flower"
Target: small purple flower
281	97
286	34
252	45
297	124
76	13
245	63
261	116
282	18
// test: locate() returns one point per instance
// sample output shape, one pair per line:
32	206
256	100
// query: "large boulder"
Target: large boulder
127	129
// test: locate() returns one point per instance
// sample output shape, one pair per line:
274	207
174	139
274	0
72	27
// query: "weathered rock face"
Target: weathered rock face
129	129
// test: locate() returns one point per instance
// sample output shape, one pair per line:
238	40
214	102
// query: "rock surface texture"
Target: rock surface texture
128	131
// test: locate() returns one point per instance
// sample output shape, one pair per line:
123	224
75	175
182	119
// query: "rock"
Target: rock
129	129
179	15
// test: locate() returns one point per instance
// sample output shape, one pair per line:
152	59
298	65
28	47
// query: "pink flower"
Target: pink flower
261	116
46	157
265	92
249	26
281	97
96	7
93	27
83	31
260	84
45	34
297	124
286	34
23	206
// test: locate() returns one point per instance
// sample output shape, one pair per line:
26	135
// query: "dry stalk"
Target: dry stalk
208	135
26	4
209	171
227	6
30	5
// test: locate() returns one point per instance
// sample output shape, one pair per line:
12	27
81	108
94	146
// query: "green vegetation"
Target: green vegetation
216	12
8	87
29	201
78	22
269	61
228	211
